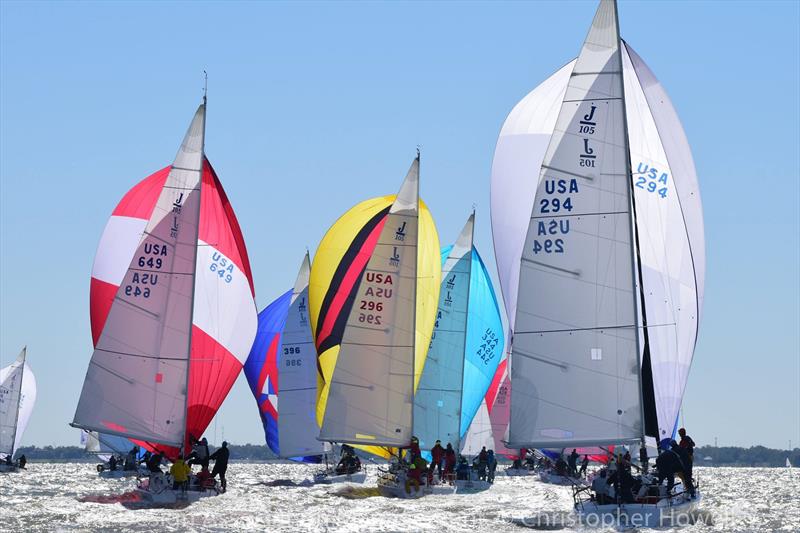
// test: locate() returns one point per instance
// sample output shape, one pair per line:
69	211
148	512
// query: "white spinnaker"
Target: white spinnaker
371	397
136	383
297	376
671	274
574	369
17	397
438	401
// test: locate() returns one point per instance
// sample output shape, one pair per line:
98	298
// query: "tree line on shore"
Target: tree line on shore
704	455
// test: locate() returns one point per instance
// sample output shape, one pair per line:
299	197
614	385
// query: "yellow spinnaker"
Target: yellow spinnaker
331	287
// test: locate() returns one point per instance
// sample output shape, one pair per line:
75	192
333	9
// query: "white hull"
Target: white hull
118	474
675	511
554	479
396	485
157	490
327	477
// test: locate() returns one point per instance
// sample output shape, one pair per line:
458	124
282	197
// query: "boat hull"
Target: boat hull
327	478
4	468
119	474
669	512
157	490
397	485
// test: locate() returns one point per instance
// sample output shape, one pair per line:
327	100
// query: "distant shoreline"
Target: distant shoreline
728	456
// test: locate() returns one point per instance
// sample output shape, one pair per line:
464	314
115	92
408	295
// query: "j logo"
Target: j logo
587	118
586	150
400	234
395	259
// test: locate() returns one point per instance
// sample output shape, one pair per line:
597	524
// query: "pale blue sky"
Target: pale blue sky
316	106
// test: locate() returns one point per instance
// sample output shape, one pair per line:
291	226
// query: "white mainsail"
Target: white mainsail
17	397
371	396
575	358
136	384
297	375
438	401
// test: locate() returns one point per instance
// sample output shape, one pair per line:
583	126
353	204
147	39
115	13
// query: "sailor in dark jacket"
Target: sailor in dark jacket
674	461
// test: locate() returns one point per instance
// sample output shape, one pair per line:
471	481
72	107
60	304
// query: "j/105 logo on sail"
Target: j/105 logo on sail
222	266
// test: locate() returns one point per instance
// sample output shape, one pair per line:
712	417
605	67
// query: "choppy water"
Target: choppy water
49	497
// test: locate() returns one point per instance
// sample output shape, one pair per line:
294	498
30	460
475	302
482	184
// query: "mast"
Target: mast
634	234
414	304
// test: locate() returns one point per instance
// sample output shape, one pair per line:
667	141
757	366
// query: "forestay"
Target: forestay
371	394
574	371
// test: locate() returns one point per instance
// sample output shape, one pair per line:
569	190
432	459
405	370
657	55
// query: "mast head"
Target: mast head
205	87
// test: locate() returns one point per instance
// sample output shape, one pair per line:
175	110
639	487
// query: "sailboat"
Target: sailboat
350	297
282	372
788	463
595	199
17	397
103	447
173	312
465	350
373	293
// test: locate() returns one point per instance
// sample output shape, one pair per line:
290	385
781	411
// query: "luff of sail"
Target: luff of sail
137	380
575	361
438	401
371	394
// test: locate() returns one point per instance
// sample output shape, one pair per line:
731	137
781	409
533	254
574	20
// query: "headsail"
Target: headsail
210	272
465	350
17	397
438	402
575	360
282	374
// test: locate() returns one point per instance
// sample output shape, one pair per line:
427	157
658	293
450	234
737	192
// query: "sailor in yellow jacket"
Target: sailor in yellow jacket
180	473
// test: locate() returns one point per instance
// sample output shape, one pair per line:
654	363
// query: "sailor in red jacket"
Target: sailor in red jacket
437	455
